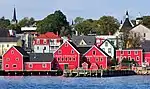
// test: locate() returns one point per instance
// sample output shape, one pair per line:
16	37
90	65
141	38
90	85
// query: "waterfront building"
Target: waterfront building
95	58
67	56
108	48
47	43
132	54
14	58
39	62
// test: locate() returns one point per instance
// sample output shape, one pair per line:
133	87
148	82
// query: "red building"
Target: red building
39	62
47	43
14	58
95	59
130	54
147	58
67	56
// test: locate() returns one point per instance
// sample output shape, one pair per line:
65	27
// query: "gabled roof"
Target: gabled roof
99	50
9	39
140	28
108	42
41	57
89	40
22	51
49	35
83	50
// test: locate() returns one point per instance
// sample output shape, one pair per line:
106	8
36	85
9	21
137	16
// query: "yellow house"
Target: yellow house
7	42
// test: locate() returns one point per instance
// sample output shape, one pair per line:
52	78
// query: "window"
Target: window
70	58
14	65
103	49
101	59
66	59
62	59
17	59
38	41
7	59
144	34
128	52
134	34
6	65
58	59
137	58
121	52
74	59
44	41
72	51
88	59
59	52
52	42
52	47
96	60
44	65
7	45
109	50
12	51
66	45
37	47
106	44
136	52
129	58
101	66
94	52
30	65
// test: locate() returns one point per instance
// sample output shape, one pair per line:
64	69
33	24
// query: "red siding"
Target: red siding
147	58
38	66
67	57
99	58
12	60
41	42
133	55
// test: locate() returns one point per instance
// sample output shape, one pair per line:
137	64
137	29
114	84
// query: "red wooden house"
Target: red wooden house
67	56
14	58
147	58
95	59
39	62
130	54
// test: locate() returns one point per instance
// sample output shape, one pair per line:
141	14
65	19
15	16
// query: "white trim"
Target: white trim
63	44
63	63
97	49
35	62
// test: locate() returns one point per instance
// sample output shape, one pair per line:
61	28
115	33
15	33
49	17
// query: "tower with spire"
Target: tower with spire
14	19
127	24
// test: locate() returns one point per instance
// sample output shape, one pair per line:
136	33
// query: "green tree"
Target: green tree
54	23
78	20
107	24
146	21
4	23
26	22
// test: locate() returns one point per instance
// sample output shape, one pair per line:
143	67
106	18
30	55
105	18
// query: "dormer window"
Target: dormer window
106	44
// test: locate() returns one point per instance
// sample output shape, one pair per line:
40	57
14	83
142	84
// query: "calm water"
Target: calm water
126	82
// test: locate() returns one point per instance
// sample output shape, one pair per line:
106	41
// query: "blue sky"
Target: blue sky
72	8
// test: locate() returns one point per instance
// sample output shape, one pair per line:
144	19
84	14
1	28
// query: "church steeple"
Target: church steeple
127	14
14	19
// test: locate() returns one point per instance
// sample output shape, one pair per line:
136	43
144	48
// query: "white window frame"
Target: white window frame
59	52
44	41
7	65
38	41
12	51
15	65
44	65
137	58
17	59
30	65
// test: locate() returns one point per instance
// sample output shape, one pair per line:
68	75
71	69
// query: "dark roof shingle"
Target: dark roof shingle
41	57
22	51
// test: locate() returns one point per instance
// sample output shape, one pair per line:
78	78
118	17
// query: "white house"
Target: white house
108	47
